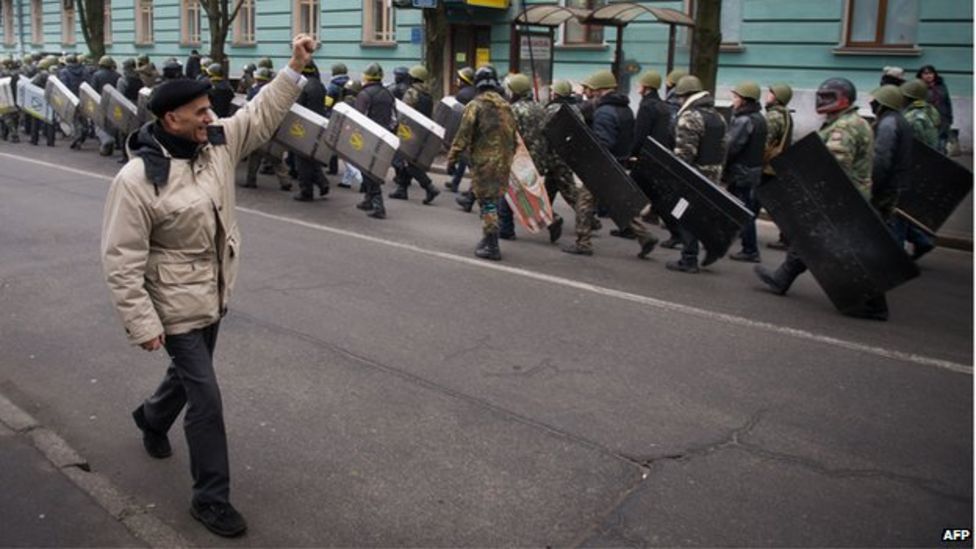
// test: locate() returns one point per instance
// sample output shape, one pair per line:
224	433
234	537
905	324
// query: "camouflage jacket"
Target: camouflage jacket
487	134
557	164
690	143
530	117
924	120
418	96
850	139
779	126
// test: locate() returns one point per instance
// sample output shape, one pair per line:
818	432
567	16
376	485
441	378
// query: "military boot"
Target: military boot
400	193
466	201
488	248
107	149
647	246
432	193
366	204
683	266
779	281
378	211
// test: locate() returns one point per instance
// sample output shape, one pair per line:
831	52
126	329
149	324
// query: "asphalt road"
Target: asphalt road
383	387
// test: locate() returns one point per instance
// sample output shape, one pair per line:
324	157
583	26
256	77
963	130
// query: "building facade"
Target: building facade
801	42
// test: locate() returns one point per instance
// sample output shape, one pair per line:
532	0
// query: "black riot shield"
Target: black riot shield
703	208
939	184
599	171
845	244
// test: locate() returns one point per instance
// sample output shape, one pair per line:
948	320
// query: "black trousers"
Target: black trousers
191	381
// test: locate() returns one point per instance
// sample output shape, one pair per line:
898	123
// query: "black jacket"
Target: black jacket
466	94
221	98
747	140
313	95
613	124
129	86
378	103
653	120
193	66
892	169
105	76
72	76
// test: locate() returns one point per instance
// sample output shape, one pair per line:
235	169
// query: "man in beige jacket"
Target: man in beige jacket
170	252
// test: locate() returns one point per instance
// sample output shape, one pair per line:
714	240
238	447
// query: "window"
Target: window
37	22
108	21
144	22
307	17
8	22
244	24
379	22
576	33
68	23
190	35
882	23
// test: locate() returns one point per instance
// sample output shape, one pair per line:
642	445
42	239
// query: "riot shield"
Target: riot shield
143	114
360	141
302	132
421	139
30	99
845	244
703	208
8	97
61	99
90	105
447	113
939	184
599	171
120	113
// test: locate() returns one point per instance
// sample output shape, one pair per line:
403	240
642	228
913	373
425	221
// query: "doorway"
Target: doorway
470	47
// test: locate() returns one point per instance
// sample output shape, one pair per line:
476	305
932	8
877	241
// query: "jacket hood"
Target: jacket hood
748	107
144	144
340	80
700	99
76	70
615	99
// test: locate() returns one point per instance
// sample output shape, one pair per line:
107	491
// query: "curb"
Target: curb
122	508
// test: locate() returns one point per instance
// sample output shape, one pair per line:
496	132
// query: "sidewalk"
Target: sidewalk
51	499
957	233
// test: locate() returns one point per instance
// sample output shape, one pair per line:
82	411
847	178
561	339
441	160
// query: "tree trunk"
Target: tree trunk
706	40
92	17
435	46
220	15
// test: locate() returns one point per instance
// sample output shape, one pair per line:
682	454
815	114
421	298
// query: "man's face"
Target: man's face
770	98
928	76
737	101
190	121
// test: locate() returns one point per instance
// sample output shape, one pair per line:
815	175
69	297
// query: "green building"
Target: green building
801	42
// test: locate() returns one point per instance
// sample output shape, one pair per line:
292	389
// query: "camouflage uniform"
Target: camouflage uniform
691	144
779	127
559	176
487	136
530	117
850	139
924	120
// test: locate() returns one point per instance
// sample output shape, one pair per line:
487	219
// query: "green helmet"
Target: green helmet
747	90
71	59
602	80
142	60
106	62
650	79
28	59
339	68
562	88
519	84
84	58
5	60
890	96
915	89
688	85
263	74
466	75
419	72
782	92
265	62
675	76
354	87
215	70
129	64
47	62
373	72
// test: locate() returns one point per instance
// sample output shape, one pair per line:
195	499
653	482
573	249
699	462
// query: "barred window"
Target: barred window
37	22
144	22
244	25
68	23
307	17
379	22
191	22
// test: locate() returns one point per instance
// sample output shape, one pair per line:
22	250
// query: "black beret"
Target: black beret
173	94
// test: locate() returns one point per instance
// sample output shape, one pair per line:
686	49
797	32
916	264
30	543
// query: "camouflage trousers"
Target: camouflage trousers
560	180
488	193
10	126
586	209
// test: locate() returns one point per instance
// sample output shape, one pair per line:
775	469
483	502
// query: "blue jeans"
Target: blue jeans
459	169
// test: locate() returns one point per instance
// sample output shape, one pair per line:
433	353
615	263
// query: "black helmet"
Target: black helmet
400	74
486	77
835	94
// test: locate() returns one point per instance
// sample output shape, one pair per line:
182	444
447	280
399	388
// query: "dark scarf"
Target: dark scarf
177	147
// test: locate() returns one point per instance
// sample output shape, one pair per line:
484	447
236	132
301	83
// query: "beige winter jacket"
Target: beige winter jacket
170	252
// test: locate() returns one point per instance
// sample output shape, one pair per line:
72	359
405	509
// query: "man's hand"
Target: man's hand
302	48
154	343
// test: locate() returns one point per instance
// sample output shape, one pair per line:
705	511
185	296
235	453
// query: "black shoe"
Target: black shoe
377	213
555	230
323	190
400	193
450	186
106	149
508	236
743	256
302	197
626	232
345	186
682	267
778	245
220	518
466	201
488	248
366	205
769	278
671	244
155	443
576	250
921	250
283	186
596	225
647	247
431	194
